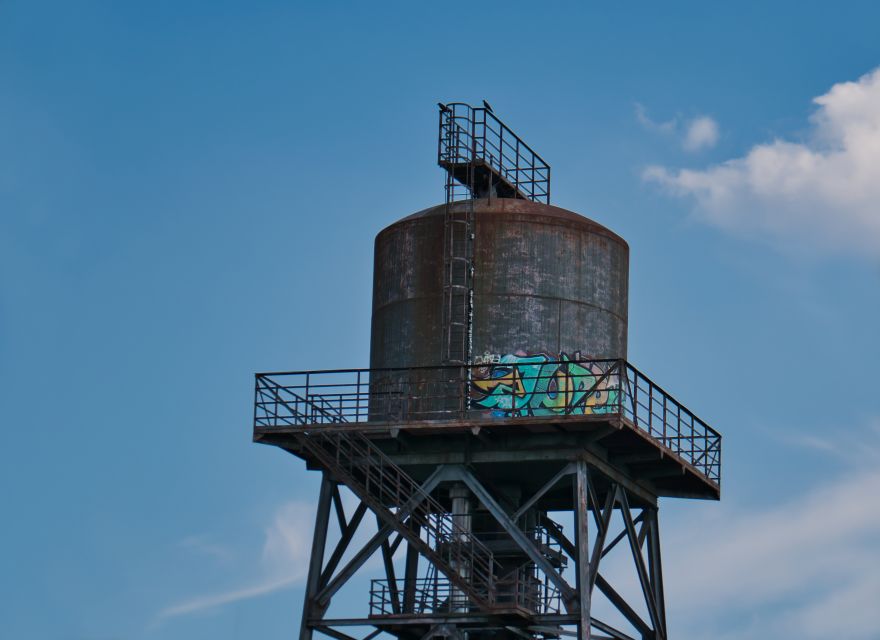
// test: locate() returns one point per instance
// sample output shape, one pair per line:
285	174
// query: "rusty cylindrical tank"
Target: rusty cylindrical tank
547	281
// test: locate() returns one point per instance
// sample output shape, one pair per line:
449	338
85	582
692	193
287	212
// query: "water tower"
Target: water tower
499	408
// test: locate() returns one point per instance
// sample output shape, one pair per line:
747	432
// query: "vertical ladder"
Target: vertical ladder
457	138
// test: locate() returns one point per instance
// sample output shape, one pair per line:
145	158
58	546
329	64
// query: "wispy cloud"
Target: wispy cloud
821	194
206	546
643	119
701	133
284	562
696	134
859	445
802	569
213	601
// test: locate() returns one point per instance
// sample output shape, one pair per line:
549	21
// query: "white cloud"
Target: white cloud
662	127
206	602
851	446
805	569
284	562
821	194
702	133
206	546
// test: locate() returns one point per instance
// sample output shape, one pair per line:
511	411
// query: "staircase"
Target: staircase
401	503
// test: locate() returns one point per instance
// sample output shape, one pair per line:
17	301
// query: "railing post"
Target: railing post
357	398
635	398
311	409
516	175
664	420
256	397
620	364
706	452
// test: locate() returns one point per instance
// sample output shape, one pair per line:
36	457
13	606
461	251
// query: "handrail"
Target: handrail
476	135
453	105
510	387
520	588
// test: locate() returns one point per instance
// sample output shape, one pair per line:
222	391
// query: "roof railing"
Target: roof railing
476	135
504	388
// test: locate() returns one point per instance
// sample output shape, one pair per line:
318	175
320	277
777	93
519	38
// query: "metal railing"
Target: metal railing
504	387
647	406
476	135
389	491
521	589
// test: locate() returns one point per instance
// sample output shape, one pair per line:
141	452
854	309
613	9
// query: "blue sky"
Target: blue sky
189	192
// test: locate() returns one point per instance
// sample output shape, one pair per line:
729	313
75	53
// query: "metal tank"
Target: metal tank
546	281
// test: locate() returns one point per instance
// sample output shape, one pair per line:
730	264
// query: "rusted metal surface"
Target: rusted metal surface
547	280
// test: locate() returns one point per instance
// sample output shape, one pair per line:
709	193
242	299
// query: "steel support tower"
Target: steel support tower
465	512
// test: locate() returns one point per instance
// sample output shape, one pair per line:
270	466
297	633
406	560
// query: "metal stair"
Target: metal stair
401	503
398	500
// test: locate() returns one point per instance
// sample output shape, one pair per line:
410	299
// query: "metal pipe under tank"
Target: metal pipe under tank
460	497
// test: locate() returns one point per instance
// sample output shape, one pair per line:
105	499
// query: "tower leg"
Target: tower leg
319	542
411	574
583	549
655	567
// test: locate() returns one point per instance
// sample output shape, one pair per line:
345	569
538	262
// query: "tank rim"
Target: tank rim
512	206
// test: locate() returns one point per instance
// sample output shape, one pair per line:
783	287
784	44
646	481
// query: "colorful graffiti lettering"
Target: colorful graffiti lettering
541	385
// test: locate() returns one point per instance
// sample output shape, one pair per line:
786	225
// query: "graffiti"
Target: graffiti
487	358
540	385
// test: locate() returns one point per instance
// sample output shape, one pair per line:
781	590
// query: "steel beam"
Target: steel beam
566	470
324	595
333	633
620	536
599	542
319	543
340	510
641	569
569	453
556	533
388	562
519	537
611	631
342	545
582	542
410	575
623	606
655	566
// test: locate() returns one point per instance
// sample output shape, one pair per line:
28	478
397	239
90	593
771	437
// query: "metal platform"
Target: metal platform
485	155
498	416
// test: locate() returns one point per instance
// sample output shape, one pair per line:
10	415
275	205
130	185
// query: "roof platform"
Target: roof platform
512	426
483	154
